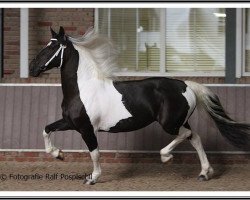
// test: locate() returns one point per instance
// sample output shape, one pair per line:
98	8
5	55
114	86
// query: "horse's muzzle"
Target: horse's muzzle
34	70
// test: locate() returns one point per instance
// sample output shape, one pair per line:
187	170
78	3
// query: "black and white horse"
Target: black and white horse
93	102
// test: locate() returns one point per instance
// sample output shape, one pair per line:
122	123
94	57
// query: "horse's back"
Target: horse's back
166	84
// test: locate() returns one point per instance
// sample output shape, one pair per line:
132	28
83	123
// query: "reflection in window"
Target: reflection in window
194	38
247	41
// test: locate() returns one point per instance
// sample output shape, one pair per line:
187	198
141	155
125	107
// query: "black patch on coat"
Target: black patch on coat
153	99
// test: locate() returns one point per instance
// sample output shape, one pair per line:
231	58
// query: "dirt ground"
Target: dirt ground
54	176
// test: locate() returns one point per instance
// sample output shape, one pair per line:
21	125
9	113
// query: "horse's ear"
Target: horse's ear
61	31
53	33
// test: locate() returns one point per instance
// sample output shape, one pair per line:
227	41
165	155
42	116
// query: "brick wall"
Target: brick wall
11	42
75	21
120	157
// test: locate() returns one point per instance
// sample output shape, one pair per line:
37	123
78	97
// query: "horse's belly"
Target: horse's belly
108	118
130	124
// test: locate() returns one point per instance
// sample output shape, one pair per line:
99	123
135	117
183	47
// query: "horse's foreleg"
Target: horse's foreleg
91	141
95	155
60	125
165	152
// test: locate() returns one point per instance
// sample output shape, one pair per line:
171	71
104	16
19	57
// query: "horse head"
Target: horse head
52	55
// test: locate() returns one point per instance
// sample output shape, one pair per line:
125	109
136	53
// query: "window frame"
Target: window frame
243	36
240	45
162	71
24	42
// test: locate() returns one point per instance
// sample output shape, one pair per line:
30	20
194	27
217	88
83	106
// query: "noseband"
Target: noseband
61	49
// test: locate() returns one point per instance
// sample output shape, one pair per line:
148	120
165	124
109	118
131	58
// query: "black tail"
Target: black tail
237	133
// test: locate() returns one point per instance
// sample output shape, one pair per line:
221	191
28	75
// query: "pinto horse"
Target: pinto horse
93	102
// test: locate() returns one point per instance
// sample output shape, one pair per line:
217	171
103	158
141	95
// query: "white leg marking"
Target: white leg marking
165	152
49	148
95	155
206	169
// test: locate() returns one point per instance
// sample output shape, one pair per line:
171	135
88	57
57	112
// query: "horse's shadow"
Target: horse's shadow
134	170
219	171
219	162
127	171
131	170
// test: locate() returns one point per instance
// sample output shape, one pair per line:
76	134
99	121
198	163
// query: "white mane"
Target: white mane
100	50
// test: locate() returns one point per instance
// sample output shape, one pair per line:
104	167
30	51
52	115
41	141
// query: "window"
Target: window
247	40
195	40
166	40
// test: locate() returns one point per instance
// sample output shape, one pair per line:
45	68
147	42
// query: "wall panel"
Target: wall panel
25	111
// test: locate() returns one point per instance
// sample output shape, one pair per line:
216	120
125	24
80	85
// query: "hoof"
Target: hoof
167	159
60	155
202	178
89	182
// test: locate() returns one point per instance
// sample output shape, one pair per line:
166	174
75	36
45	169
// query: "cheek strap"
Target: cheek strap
61	49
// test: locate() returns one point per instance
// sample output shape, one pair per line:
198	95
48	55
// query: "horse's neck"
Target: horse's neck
79	72
69	75
88	71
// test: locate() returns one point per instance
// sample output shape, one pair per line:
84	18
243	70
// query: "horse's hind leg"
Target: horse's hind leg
206	169
60	125
182	135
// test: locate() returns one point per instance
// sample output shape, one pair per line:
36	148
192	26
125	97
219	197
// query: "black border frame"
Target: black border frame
1	41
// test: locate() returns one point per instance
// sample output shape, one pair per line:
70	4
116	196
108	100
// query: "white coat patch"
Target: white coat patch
103	103
191	99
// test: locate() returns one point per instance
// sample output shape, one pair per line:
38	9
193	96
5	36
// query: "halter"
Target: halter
61	48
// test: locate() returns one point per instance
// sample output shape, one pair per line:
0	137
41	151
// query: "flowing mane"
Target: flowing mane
100	50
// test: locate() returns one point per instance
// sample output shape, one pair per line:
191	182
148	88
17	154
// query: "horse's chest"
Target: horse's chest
103	104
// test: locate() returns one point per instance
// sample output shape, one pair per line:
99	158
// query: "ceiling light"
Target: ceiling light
220	15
